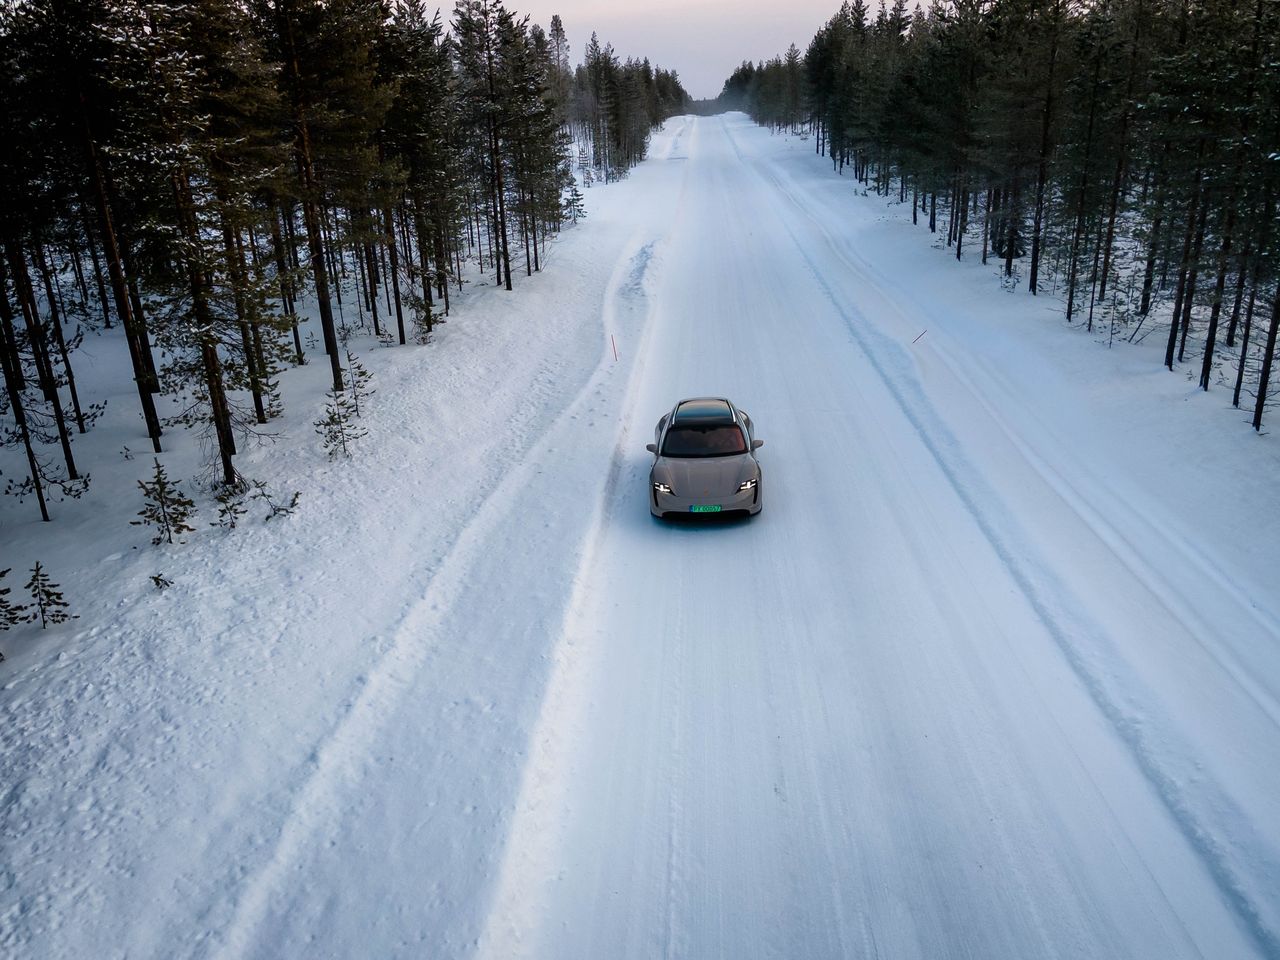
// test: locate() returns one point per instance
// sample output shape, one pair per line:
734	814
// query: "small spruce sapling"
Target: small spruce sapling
166	508
423	319
231	508
360	380
46	600
161	581
336	426
274	509
575	204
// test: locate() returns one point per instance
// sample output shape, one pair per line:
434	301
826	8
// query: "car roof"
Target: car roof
704	410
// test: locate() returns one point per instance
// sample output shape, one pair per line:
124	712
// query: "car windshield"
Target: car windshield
704	440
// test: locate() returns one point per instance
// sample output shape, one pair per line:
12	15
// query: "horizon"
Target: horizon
703	41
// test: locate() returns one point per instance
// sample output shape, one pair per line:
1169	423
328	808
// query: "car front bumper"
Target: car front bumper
674	505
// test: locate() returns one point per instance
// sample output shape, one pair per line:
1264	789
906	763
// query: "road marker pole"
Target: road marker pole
615	348
922	333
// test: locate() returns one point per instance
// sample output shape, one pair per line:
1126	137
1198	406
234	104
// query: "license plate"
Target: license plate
705	508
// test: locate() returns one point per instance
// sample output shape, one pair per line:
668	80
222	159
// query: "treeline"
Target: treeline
1123	153
613	106
191	173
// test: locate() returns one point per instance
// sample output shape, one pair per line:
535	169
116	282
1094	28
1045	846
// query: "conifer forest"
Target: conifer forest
188	172
1123	154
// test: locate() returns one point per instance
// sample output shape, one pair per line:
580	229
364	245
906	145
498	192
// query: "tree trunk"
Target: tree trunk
97	267
40	350
1187	239
1268	355
1268	208
13	360
1154	243
1122	153
442	261
1042	167
1078	231
388	226
1219	288
1014	219
56	322
500	221
286	288
1189	300
372	262
142	377
199	284
306	168
235	262
14	382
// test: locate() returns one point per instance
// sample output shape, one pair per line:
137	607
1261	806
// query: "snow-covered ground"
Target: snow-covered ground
996	673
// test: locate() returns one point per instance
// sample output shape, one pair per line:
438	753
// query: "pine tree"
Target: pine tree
166	508
46	600
361	380
423	319
1130	138
575	204
231	506
275	508
488	108
337	427
182	172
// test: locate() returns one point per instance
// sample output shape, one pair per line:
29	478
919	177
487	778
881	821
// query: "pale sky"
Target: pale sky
702	40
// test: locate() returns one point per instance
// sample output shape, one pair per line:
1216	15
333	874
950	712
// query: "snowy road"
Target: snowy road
868	724
989	677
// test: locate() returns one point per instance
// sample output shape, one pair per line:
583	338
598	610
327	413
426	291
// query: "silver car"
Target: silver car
704	460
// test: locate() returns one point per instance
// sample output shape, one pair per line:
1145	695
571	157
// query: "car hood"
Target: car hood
704	476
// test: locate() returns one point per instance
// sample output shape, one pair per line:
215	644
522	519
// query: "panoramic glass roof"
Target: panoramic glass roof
704	408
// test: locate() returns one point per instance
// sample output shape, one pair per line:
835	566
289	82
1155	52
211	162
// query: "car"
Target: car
704	461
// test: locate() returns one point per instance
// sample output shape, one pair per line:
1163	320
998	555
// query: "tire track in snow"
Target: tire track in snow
1267	619
533	840
335	757
1032	576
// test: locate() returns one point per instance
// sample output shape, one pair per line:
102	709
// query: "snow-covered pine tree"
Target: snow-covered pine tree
47	604
166	508
422	135
561	71
487	109
575	204
60	91
208	129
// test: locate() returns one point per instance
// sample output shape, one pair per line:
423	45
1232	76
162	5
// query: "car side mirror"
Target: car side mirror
757	444
651	447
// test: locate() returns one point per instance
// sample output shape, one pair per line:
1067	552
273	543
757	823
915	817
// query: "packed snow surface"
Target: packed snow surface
996	673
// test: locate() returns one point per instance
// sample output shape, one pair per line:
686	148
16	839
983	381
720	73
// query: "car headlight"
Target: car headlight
661	487
748	484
